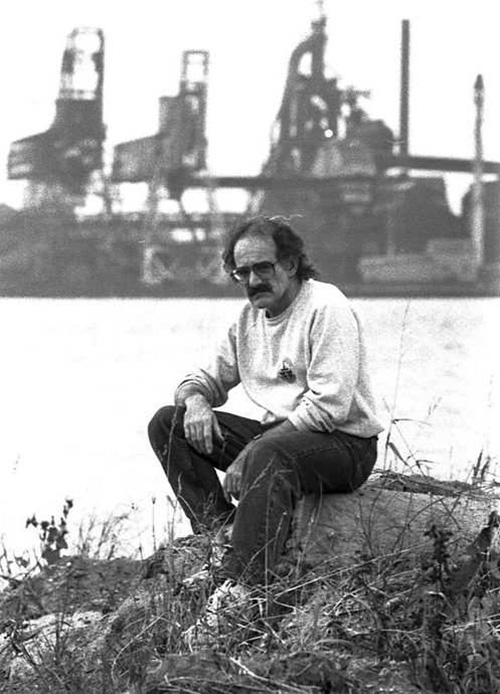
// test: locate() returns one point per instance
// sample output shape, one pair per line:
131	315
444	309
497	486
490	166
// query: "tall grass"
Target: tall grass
392	618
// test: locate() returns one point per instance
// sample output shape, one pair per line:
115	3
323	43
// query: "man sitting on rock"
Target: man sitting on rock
298	350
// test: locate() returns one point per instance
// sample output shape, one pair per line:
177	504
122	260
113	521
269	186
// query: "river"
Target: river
80	380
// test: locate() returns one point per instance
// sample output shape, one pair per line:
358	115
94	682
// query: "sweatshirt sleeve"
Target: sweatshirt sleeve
332	373
216	378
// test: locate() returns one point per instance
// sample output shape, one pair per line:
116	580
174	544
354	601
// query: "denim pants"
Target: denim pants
277	471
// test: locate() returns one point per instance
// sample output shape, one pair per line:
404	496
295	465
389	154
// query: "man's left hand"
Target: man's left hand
232	479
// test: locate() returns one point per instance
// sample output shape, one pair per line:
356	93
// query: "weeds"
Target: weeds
52	535
97	623
100	539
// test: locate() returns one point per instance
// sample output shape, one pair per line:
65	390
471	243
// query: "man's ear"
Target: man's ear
291	266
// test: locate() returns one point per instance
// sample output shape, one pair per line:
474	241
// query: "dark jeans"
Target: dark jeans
278	470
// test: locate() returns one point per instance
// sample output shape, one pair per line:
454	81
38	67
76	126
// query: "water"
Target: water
81	379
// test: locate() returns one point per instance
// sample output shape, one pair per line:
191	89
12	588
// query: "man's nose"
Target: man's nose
253	278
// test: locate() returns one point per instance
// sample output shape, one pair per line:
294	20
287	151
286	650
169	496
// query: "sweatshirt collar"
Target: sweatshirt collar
275	320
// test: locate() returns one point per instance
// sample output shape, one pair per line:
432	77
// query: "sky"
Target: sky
250	42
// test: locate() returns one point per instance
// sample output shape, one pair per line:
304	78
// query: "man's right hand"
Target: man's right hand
200	424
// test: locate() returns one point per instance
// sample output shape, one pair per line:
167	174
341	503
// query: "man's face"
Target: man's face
275	291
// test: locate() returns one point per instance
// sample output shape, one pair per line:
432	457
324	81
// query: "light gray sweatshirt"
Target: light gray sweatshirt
307	364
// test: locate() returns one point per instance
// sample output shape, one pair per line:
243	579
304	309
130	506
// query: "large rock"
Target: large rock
392	514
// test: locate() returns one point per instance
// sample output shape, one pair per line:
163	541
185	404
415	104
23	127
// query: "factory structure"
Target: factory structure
373	225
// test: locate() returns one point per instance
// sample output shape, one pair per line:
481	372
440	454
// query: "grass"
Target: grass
396	622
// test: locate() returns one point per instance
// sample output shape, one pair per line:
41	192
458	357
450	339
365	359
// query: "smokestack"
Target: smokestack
404	112
477	185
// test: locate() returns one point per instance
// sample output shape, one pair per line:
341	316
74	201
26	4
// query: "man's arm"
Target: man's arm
200	422
206	388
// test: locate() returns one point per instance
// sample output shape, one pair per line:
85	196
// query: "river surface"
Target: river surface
80	380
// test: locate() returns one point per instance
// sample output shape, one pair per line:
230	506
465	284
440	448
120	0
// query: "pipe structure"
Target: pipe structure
404	103
478	170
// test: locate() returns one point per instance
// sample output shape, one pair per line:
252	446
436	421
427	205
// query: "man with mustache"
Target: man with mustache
298	350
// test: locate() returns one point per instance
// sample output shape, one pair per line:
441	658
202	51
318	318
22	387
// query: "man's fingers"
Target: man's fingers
199	435
227	484
232	483
226	492
207	438
189	434
217	429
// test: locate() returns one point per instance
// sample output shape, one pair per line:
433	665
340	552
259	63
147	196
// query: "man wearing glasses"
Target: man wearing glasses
297	349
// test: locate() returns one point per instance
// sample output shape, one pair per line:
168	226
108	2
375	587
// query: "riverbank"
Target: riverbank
116	626
400	622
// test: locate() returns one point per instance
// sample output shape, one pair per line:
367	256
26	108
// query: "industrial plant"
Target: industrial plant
376	218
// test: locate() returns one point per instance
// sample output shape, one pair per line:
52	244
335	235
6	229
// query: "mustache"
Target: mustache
251	291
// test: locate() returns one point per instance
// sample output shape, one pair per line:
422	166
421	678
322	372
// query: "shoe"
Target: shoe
226	610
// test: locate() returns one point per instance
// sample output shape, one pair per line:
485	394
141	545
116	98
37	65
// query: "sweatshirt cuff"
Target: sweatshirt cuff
196	386
298	422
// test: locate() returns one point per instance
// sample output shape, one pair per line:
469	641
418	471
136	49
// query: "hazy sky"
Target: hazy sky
250	42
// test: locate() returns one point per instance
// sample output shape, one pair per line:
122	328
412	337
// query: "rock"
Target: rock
37	637
392	514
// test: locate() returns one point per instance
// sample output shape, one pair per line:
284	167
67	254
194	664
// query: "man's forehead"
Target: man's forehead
255	245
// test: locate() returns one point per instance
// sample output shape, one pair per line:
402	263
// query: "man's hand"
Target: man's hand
232	479
200	424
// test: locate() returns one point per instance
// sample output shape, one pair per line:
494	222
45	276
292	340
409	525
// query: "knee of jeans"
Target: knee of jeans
264	457
163	421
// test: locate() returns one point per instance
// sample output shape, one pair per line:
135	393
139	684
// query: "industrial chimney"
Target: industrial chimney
404	112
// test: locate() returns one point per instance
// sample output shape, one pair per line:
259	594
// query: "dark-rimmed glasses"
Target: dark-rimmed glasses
264	270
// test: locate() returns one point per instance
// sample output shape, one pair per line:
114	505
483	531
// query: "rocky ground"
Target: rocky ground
89	626
398	622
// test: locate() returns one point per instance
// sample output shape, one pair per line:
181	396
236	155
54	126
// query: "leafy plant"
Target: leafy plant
53	535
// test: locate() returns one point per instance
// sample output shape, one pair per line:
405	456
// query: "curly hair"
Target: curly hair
289	244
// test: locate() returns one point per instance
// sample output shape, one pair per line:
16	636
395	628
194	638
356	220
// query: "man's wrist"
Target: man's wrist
195	397
186	393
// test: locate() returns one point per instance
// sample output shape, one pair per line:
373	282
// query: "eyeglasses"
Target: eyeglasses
264	270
